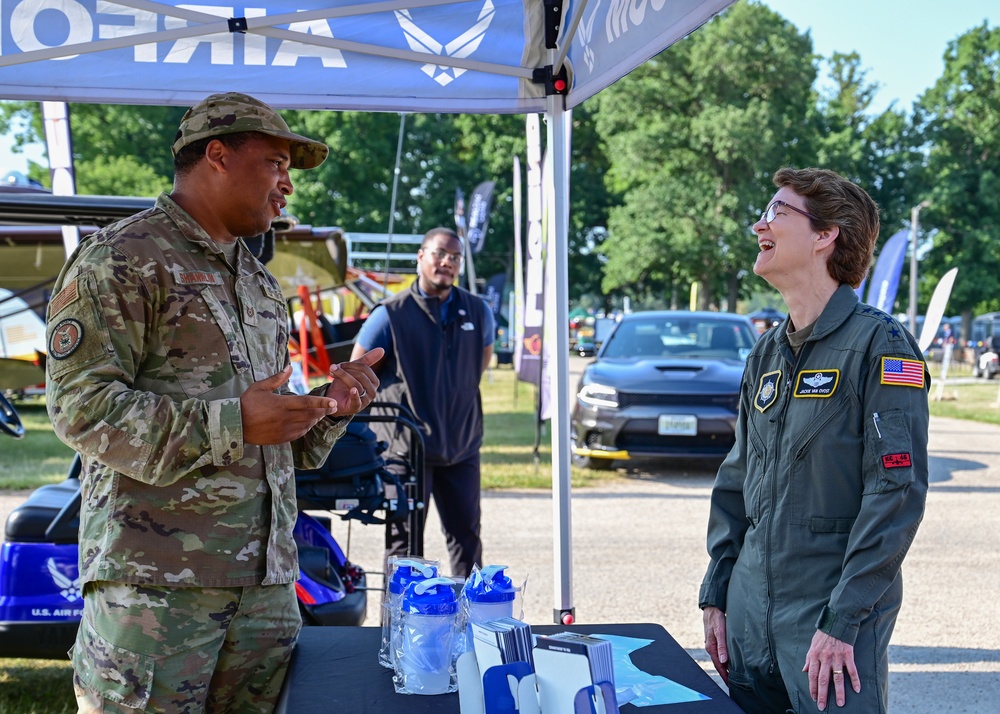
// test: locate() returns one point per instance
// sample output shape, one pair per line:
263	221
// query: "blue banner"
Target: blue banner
885	277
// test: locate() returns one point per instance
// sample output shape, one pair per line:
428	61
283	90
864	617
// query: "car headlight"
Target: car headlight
598	395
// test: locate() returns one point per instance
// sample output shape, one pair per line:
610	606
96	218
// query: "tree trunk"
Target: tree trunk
734	291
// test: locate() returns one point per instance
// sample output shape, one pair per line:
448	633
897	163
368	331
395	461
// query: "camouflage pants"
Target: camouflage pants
183	650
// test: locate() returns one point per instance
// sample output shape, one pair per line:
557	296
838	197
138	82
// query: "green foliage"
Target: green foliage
694	135
959	120
119	175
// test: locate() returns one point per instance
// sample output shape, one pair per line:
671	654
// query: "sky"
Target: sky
901	45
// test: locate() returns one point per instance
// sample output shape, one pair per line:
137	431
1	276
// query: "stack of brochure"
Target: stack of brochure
501	641
566	663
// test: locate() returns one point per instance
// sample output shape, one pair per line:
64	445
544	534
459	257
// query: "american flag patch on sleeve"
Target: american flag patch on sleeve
904	372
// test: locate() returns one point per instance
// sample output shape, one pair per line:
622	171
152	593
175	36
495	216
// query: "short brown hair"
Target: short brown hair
835	201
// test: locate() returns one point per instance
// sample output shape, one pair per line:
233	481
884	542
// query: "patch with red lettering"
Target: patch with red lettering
197	277
895	461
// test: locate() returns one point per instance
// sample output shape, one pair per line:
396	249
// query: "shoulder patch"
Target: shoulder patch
902	372
66	296
65	338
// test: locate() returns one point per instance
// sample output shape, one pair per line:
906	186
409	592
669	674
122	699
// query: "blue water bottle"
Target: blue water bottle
490	595
429	614
406	571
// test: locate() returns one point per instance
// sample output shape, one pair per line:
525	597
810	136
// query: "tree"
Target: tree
694	136
959	119
117	150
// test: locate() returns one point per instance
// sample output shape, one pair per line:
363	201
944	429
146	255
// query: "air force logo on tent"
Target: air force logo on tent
462	46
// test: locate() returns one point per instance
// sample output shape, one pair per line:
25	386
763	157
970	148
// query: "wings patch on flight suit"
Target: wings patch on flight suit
819	383
767	392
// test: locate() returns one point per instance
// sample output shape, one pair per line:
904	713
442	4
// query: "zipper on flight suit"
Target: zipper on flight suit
780	419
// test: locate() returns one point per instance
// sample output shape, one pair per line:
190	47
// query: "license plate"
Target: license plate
678	425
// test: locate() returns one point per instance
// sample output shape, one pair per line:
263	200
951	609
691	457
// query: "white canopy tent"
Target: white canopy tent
487	56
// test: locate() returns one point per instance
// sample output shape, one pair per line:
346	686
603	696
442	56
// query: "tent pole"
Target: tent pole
392	203
558	140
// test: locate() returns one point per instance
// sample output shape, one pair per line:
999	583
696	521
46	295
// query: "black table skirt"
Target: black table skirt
336	669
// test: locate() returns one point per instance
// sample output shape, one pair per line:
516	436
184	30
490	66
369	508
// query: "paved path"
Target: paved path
639	555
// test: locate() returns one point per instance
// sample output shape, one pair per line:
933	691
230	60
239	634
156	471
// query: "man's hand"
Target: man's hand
271	418
829	656
715	640
354	384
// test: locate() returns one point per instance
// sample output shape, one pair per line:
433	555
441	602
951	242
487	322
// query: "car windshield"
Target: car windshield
680	336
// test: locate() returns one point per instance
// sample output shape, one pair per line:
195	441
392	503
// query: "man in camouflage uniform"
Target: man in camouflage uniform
167	371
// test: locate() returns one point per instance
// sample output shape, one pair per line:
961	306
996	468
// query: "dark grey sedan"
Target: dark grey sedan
664	384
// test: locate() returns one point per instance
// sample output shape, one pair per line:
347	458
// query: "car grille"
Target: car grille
653	443
635	399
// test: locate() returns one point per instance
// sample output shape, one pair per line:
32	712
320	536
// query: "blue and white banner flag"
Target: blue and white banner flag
885	278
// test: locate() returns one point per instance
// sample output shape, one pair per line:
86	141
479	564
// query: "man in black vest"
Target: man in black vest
438	340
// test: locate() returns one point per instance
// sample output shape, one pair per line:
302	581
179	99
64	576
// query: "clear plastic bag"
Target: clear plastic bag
488	594
429	626
400	573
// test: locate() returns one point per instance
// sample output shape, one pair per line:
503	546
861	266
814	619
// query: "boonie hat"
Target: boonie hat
233	112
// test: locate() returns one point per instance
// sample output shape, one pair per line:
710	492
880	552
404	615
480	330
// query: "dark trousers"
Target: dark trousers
455	489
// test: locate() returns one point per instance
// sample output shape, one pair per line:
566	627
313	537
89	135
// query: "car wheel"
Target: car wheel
990	373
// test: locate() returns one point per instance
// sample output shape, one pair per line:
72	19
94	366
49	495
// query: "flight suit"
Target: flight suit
817	503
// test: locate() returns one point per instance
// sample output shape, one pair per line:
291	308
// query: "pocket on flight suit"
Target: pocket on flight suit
888	448
111	672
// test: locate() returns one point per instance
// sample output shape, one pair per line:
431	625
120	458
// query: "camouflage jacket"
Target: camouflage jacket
152	339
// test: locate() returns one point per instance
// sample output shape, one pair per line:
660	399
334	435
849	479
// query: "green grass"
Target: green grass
508	454
37	458
36	686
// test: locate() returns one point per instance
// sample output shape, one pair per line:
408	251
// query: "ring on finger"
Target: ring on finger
363	394
838	671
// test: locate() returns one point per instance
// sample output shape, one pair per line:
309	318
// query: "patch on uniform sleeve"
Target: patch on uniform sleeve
65	338
896	461
903	372
819	383
767	392
66	296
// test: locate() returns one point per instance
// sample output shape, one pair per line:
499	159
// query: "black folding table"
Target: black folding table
336	669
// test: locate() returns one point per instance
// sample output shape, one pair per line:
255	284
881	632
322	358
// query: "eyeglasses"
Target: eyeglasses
443	255
772	212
